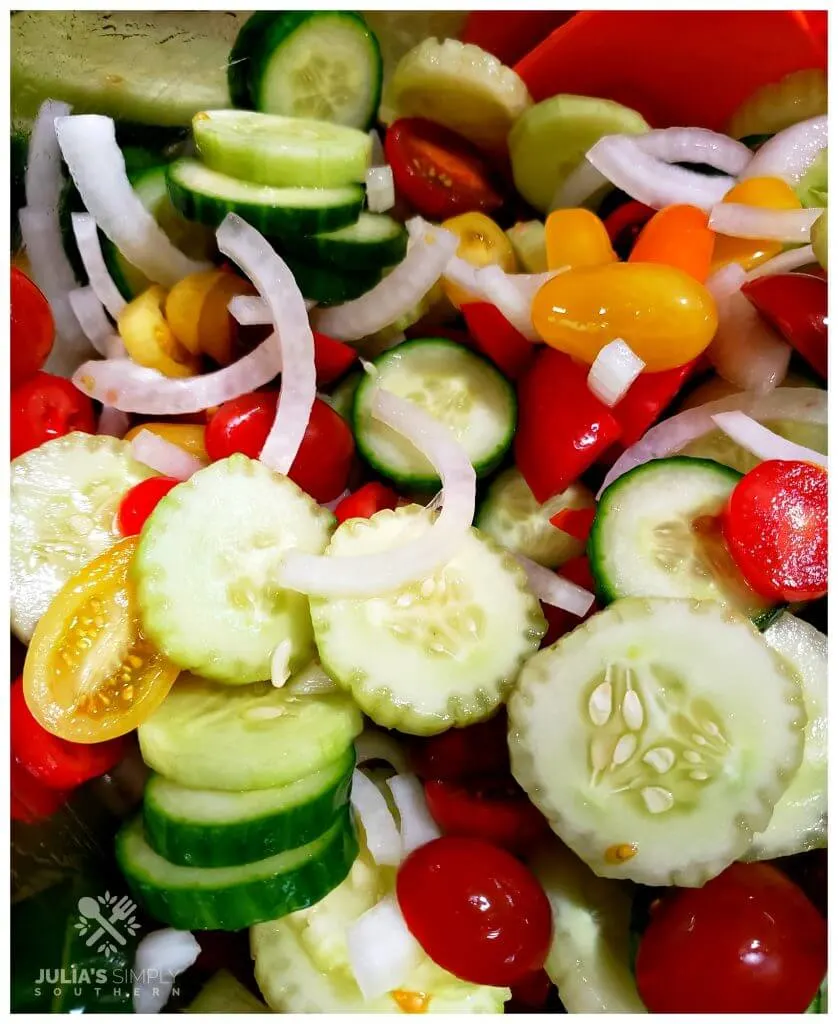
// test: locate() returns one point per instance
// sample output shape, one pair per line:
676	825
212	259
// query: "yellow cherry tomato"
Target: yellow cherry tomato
196	311
576	238
482	244
149	339
188	436
769	193
665	315
91	674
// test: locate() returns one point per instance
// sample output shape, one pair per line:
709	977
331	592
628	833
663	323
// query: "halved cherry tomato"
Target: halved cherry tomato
625	224
499	812
575	521
477	751
775	526
32	801
91	673
332	359
54	762
32	328
44	407
559	622
796	306
365	502
497	339
437	171
475	910
138	503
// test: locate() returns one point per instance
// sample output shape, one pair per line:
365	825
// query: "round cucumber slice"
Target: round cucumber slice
657	738
548	141
778	105
439	653
208	736
374	241
64	498
328	285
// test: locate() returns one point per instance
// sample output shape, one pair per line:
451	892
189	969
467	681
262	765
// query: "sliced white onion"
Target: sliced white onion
416	826
552	589
808	405
746	350
160	957
784	263
696	146
90	314
790	153
381	832
280	663
512	294
377	157
652	181
87	240
614	370
725	281
381	189
377	745
112	422
418	558
382	951
88	144
582	182
167	458
44	179
403	288
762	442
738	220
275	283
311	679
253	311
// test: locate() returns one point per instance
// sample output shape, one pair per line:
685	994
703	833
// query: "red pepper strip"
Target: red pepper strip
497	339
795	305
31	801
509	35
332	359
365	502
575	521
647	398
559	622
562	427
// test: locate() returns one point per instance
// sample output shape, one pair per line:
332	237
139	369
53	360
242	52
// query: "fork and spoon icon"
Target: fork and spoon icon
91	911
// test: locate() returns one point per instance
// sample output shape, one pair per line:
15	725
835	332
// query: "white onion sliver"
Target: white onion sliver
280	663
90	314
745	350
381	832
725	281
88	144
87	240
418	558
249	310
790	152
112	422
382	951
582	182
762	442
160	957
416	825
381	189
377	745
552	589
167	458
44	179
276	284
614	370
784	262
696	146
397	294
737	220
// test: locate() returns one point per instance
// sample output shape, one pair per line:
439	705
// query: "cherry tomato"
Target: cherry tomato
499	812
437	171
332	359
91	674
576	238
625	223
666	316
497	339
32	801
44	407
475	910
32	328
796	306
324	460
748	941
141	501
365	502
677	236
482	244
477	751
775	526
769	193
54	762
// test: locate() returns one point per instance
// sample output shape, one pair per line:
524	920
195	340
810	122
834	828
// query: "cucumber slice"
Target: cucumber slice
799	820
206	564
207	196
224	993
434	654
329	285
657	738
457	387
373	242
820	239
589	958
813	188
233	898
342	399
208	736
318	64
206	828
281	151
657	534
550	139
719	447
511	516
527	239
778	105
64	498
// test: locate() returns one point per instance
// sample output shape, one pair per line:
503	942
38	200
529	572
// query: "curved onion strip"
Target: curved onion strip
113	422
762	442
746	350
88	144
91	316
696	146
613	372
790	152
416	825
87	240
160	957
668	437
738	220
376	745
253	311
380	830
275	283
582	182
552	589
44	179
651	181
512	294
725	281
784	262
368	575
167	458
403	288
382	951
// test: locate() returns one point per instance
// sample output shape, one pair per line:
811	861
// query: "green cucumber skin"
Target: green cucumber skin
195	844
328	286
238	906
241	55
347	255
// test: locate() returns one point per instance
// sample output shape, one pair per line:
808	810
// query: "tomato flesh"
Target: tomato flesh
141	501
499	812
31	800
365	502
477	751
44	407
32	328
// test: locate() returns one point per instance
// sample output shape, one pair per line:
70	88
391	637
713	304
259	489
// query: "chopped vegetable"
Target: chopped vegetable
796	306
149	340
138	503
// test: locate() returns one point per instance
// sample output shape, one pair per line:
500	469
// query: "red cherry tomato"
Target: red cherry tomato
796	306
497	339
141	501
437	171
477	751
748	941
32	801
45	407
365	502
559	622
500	813
54	762
324	460
776	531
475	910
625	224
32	328
332	359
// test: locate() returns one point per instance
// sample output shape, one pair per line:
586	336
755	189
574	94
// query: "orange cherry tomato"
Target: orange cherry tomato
576	238
770	193
679	237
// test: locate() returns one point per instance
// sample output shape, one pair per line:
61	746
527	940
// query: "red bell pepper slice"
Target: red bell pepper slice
796	306
575	521
365	502
332	359
647	398
497	339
